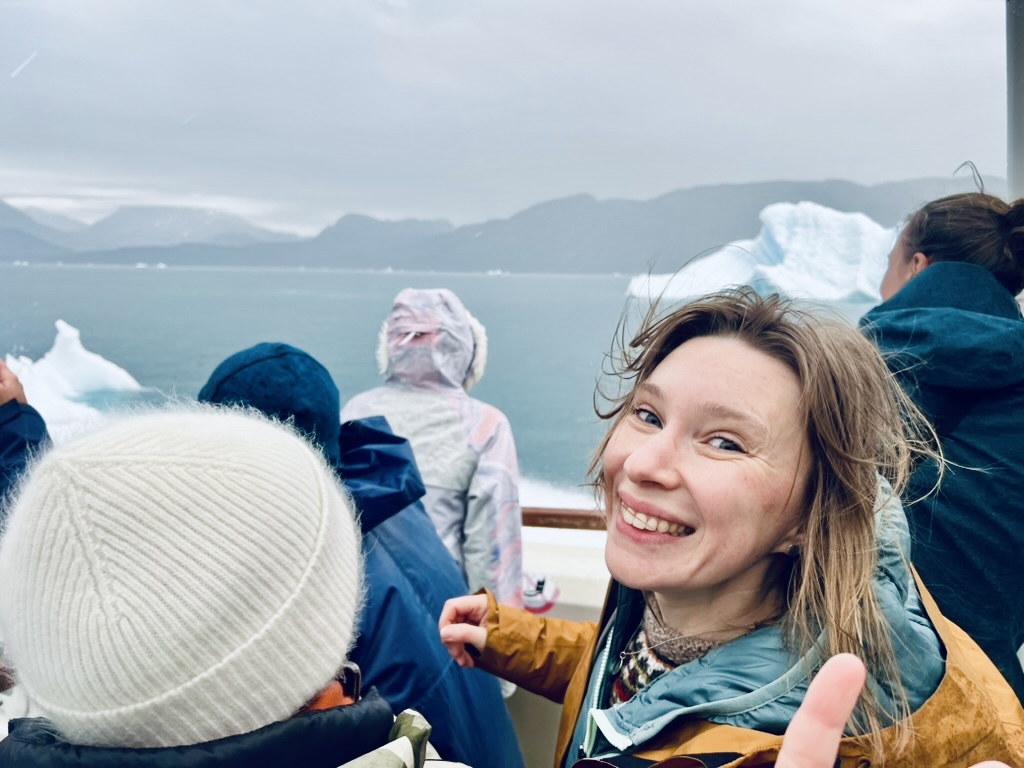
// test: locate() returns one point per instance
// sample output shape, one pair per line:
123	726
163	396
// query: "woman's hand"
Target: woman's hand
462	627
812	738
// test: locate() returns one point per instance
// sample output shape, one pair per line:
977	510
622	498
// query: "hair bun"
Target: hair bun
1015	225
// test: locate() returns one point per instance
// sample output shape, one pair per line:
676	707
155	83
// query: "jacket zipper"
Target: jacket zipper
591	730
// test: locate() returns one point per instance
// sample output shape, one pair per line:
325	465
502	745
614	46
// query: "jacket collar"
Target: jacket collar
752	681
953	285
323	739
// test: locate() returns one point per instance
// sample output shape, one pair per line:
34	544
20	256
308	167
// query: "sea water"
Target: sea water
169	327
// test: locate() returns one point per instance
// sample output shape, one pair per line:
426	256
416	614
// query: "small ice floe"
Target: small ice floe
57	383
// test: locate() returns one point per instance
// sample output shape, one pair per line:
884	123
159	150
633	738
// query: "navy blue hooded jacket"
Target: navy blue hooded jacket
954	337
408	572
22	431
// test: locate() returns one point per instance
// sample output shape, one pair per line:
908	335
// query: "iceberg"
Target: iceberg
804	250
59	383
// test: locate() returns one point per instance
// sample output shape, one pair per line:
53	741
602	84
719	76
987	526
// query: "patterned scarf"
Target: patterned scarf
652	651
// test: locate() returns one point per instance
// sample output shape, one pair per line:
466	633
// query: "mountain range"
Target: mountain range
573	234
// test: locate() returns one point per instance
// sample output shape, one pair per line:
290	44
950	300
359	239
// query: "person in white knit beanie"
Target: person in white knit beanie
179	577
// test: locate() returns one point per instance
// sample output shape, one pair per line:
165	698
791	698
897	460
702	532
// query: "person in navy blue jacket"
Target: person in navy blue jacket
22	431
409	573
952	332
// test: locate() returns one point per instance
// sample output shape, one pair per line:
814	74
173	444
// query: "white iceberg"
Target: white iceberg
804	250
57	383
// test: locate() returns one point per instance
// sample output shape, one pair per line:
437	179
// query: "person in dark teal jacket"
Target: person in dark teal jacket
953	334
408	572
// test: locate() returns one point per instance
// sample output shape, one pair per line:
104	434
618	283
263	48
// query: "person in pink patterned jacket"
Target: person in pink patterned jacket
431	352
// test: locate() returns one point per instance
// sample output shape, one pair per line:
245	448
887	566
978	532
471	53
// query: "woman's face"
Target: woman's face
705	475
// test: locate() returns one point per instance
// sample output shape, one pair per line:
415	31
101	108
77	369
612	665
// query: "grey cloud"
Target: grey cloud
468	110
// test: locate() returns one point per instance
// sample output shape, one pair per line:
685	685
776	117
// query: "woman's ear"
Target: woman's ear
792	543
919	262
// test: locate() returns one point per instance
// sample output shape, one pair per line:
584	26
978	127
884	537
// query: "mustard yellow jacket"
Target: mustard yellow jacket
972	716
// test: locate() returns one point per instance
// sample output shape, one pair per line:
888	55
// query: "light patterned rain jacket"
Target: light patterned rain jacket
432	350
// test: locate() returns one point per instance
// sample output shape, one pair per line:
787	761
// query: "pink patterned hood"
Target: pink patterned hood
431	340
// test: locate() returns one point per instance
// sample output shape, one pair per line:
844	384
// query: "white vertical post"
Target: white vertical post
1015	98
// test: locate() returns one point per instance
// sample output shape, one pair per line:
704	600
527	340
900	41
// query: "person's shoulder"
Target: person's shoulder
492	412
13	409
21	421
365	395
351	407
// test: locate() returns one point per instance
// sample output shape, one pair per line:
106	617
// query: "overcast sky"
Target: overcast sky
293	113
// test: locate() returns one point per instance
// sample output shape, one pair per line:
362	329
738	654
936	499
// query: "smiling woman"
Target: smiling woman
704	485
750	479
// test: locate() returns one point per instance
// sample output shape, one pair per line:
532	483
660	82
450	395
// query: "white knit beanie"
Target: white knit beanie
178	577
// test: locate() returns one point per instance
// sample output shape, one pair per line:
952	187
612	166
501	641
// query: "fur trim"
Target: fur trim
383	357
479	364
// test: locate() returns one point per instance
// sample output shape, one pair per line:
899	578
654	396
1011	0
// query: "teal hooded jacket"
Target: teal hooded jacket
954	337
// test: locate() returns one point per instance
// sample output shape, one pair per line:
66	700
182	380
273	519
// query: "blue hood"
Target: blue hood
953	325
378	468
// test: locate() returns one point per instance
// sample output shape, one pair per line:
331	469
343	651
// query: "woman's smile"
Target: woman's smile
649	523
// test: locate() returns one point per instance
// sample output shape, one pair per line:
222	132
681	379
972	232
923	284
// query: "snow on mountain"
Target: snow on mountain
161	226
55	220
804	250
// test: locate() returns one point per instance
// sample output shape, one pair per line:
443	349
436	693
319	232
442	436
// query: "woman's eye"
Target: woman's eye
725	444
647	416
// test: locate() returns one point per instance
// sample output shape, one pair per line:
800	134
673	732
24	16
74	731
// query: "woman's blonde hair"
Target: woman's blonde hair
859	425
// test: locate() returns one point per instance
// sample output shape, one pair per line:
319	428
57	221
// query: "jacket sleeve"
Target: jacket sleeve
538	654
22	431
492	547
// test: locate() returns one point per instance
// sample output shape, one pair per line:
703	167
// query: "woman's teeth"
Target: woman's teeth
642	522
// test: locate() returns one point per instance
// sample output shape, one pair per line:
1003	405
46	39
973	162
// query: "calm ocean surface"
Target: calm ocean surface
170	327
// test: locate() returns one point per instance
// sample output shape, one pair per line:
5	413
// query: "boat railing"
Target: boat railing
558	544
572	519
